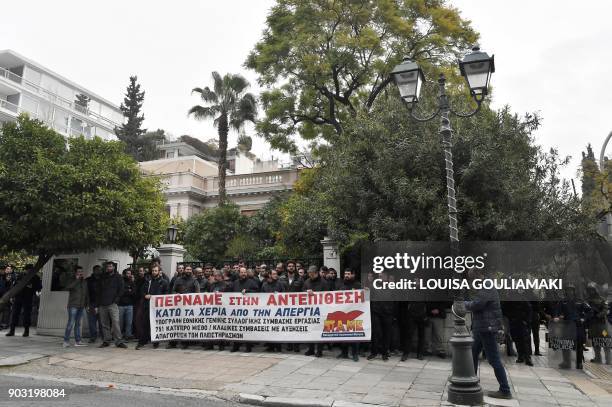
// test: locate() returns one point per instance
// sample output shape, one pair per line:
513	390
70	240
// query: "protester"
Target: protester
436	313
315	283
519	318
218	285
486	325
244	285
201	279
412	317
23	302
186	283
179	272
126	304
141	278
154	285
109	289
273	285
349	283
93	317
382	324
78	298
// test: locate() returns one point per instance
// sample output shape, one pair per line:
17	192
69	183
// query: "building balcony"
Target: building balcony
205	187
11	78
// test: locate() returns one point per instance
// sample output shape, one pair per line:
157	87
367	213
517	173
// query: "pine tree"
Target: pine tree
131	132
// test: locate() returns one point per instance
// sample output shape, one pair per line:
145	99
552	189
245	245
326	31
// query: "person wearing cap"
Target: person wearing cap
312	284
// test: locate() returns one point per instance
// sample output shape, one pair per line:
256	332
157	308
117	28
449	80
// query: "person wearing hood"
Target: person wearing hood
244	285
597	323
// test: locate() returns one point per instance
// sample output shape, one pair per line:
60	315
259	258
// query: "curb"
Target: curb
257	400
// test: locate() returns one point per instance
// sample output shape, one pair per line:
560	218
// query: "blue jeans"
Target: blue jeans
126	315
74	320
487	341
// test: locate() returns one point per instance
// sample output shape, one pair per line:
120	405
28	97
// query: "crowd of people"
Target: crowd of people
116	306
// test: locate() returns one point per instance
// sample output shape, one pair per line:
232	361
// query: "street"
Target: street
93	396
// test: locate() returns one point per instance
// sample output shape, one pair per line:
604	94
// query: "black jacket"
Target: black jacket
153	286
247	284
347	285
27	293
109	289
277	286
486	311
129	293
92	287
295	284
186	284
203	283
318	284
218	286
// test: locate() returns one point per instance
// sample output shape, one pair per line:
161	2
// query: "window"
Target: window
170	154
63	272
29	105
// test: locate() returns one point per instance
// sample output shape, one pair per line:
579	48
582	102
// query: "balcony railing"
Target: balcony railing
56	99
258	182
9	106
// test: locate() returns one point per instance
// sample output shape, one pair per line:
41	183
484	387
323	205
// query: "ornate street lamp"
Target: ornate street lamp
171	233
476	68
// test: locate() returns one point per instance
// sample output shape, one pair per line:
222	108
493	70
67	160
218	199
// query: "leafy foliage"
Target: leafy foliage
229	106
208	234
62	198
325	61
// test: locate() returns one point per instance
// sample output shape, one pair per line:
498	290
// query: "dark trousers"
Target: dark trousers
382	328
354	348
145	323
18	306
535	332
521	335
319	347
486	341
407	328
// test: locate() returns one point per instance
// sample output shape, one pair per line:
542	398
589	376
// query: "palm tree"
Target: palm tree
229	105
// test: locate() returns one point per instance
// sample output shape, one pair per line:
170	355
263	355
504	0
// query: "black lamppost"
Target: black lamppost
476	68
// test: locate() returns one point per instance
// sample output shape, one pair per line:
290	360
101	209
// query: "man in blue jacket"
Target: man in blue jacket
486	323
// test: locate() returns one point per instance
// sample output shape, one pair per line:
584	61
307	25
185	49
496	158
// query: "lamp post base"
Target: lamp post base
464	388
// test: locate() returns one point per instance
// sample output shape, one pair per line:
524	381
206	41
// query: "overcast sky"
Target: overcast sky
553	57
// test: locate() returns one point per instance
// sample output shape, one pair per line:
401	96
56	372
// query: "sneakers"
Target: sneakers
122	345
500	395
66	344
79	343
371	356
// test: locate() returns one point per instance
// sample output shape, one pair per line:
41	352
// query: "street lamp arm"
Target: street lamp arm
423	119
469	114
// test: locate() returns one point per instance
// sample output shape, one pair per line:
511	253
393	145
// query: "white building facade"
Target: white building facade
26	86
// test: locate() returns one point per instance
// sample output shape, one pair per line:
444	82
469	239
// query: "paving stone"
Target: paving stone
418	394
415	402
293	402
501	402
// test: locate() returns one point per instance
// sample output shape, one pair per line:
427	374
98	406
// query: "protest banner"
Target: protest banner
335	316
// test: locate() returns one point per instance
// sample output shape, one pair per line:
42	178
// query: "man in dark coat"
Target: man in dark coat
244	285
23	302
186	283
348	282
153	285
109	290
273	284
315	283
519	318
412	317
93	317
486	325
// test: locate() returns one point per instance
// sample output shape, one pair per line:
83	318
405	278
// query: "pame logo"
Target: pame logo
341	324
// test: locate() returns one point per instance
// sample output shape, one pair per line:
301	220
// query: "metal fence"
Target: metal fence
251	263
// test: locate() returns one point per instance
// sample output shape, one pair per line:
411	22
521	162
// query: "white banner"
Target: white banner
331	316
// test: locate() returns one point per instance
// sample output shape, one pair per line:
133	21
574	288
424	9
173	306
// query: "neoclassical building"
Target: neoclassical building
192	183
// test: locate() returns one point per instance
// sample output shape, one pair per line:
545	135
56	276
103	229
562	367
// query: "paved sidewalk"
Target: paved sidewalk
293	379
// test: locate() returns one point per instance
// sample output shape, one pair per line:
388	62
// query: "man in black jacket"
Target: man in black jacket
126	304
436	313
218	285
382	325
154	285
93	318
244	285
413	315
109	290
23	301
519	318
273	284
315	283
348	283
184	284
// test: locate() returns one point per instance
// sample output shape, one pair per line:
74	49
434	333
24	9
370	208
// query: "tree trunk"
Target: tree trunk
223	129
42	260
